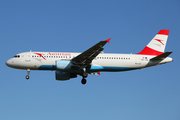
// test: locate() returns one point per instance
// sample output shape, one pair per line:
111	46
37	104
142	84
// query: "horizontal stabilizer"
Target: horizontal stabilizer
162	56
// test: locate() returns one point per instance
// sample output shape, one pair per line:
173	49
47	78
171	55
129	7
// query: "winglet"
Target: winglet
108	40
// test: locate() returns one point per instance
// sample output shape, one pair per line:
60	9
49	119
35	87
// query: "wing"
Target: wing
86	57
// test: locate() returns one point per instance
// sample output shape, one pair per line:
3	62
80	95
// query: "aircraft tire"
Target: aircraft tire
27	77
83	81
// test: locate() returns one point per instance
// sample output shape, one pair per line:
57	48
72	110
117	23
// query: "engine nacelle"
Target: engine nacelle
64	75
63	65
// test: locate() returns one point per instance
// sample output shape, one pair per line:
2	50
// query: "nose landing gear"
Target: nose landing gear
28	72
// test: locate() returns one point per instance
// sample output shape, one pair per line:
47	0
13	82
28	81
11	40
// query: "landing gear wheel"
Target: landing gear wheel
27	77
28	72
83	81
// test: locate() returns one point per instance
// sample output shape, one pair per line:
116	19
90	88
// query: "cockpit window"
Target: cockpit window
17	56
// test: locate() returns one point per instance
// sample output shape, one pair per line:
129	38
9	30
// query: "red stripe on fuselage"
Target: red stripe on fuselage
149	51
40	55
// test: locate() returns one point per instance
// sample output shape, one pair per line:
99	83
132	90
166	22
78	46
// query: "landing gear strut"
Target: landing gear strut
84	75
28	72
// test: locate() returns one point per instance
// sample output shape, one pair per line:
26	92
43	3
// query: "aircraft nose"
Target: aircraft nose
8	62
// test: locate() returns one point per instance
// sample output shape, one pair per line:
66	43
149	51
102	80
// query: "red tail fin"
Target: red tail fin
157	45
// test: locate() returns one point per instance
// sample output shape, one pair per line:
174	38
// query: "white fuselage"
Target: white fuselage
103	62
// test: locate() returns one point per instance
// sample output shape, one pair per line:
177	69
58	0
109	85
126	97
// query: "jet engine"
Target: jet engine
64	75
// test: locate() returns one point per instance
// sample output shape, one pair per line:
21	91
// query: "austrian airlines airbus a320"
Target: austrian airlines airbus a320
93	61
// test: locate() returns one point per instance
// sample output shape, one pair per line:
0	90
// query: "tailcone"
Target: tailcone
166	60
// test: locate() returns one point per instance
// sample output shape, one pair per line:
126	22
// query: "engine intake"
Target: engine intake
63	65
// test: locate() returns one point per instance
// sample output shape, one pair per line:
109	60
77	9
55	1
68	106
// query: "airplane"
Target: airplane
93	61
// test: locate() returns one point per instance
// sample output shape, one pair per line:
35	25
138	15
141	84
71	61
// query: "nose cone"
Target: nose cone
13	63
9	62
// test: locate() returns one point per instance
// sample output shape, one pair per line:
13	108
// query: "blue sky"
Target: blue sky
74	26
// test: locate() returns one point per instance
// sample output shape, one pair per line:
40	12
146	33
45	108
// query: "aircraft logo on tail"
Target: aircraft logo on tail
159	41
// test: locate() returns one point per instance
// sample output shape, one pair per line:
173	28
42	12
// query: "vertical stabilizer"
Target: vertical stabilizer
157	45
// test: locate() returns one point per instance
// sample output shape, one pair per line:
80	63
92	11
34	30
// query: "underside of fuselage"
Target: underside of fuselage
89	70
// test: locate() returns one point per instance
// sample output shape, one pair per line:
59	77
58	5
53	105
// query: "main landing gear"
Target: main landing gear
84	75
28	72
